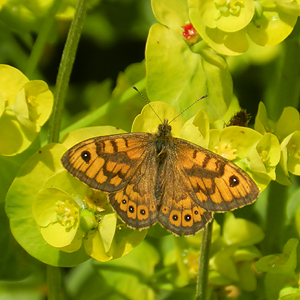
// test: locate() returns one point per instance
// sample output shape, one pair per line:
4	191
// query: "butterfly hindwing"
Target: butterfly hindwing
178	212
136	204
216	183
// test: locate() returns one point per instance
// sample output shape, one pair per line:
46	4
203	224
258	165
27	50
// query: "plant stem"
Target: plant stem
286	88
54	273
42	38
202	279
65	68
54	283
276	213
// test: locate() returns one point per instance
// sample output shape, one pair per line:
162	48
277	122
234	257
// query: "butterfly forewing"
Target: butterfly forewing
216	183
106	163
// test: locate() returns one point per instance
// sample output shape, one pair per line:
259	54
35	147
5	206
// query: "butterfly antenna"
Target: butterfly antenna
188	108
147	101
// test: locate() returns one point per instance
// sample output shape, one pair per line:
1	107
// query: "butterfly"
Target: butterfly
155	177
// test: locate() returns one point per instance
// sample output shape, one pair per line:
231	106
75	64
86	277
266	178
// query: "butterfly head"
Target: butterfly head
163	137
164	130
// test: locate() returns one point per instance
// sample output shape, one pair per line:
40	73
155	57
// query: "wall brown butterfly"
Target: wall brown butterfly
156	177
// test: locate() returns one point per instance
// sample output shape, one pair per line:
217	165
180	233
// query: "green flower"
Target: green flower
262	122
25	106
33	104
249	150
279	269
264	158
241	232
58	215
33	178
232	258
226	25
32	9
57	219
273	22
291	152
288	122
291	7
86	216
233	142
289	293
228	16
146	121
180	67
232	263
286	131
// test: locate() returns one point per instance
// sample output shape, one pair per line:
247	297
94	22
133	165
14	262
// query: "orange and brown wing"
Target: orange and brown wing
122	165
106	163
178	212
135	203
215	183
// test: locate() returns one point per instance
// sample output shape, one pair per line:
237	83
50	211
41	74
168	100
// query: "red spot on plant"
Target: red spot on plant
190	33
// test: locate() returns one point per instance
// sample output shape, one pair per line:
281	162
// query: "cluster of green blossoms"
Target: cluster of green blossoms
24	108
287	132
28	12
226	25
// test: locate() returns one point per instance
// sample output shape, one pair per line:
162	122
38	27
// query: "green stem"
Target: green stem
201	288
53	273
65	68
42	39
54	283
276	213
285	90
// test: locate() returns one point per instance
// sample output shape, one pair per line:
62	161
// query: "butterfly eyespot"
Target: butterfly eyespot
152	207
175	217
124	201
131	208
188	218
142	212
86	156
165	210
233	181
196	212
